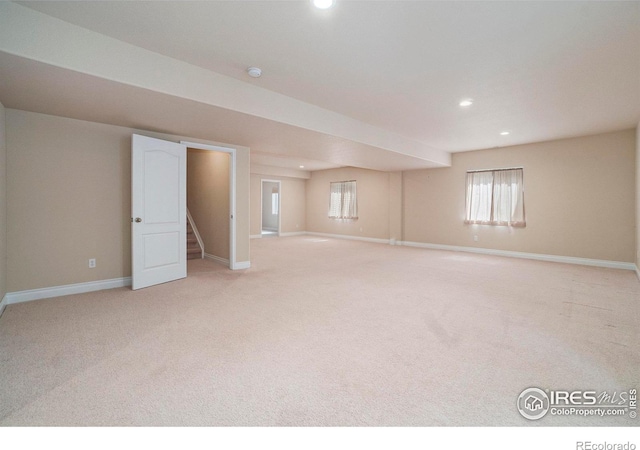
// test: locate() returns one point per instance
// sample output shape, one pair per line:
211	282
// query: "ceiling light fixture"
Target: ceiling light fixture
504	133
254	72
302	167
467	102
323	4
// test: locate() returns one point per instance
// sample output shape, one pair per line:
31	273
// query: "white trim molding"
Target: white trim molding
638	272
3	304
68	289
256	236
241	265
346	236
523	255
216	259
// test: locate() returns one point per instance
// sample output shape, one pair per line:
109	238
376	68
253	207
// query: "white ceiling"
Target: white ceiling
541	70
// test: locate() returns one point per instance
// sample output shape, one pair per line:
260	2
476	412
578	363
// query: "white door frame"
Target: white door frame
262	181
232	194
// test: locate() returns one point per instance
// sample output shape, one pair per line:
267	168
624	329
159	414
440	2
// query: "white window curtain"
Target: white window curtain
495	197
343	202
479	193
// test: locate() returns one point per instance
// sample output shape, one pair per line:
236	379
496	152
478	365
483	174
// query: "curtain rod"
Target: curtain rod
495	170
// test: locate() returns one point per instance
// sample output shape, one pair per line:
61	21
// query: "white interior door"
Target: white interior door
159	211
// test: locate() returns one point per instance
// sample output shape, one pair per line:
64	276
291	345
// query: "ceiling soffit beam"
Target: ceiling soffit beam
39	37
260	169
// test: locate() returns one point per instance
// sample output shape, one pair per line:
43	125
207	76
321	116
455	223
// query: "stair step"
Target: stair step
193	256
194	250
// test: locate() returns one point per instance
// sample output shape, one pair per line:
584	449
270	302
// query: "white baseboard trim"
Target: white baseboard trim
353	238
256	236
68	289
239	265
216	259
536	256
293	233
3	304
638	272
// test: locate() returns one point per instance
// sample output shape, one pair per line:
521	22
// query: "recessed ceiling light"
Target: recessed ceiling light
323	4
504	133
302	167
467	102
254	72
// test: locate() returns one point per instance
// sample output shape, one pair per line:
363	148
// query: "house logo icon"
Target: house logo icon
533	403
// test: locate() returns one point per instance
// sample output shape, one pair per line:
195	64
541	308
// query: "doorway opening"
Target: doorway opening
271	207
211	200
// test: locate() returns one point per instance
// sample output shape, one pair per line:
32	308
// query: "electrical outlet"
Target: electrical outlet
92	263
360	229
475	238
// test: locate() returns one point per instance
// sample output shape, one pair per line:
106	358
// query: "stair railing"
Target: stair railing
195	231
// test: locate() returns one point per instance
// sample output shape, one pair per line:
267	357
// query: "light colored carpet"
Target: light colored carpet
324	332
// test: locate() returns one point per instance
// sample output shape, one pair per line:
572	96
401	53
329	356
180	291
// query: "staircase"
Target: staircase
193	248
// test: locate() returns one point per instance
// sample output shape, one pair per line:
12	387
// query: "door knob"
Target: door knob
138	220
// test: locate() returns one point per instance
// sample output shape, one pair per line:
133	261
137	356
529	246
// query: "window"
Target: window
274	203
343	203
495	197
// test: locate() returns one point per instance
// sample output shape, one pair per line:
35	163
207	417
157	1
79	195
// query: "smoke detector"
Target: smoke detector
254	72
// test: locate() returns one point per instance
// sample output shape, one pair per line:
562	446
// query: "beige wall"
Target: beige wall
208	198
292	203
579	199
69	199
243	204
395	206
373	203
3	205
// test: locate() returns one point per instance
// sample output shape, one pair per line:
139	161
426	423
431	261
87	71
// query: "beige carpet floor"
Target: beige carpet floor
324	332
